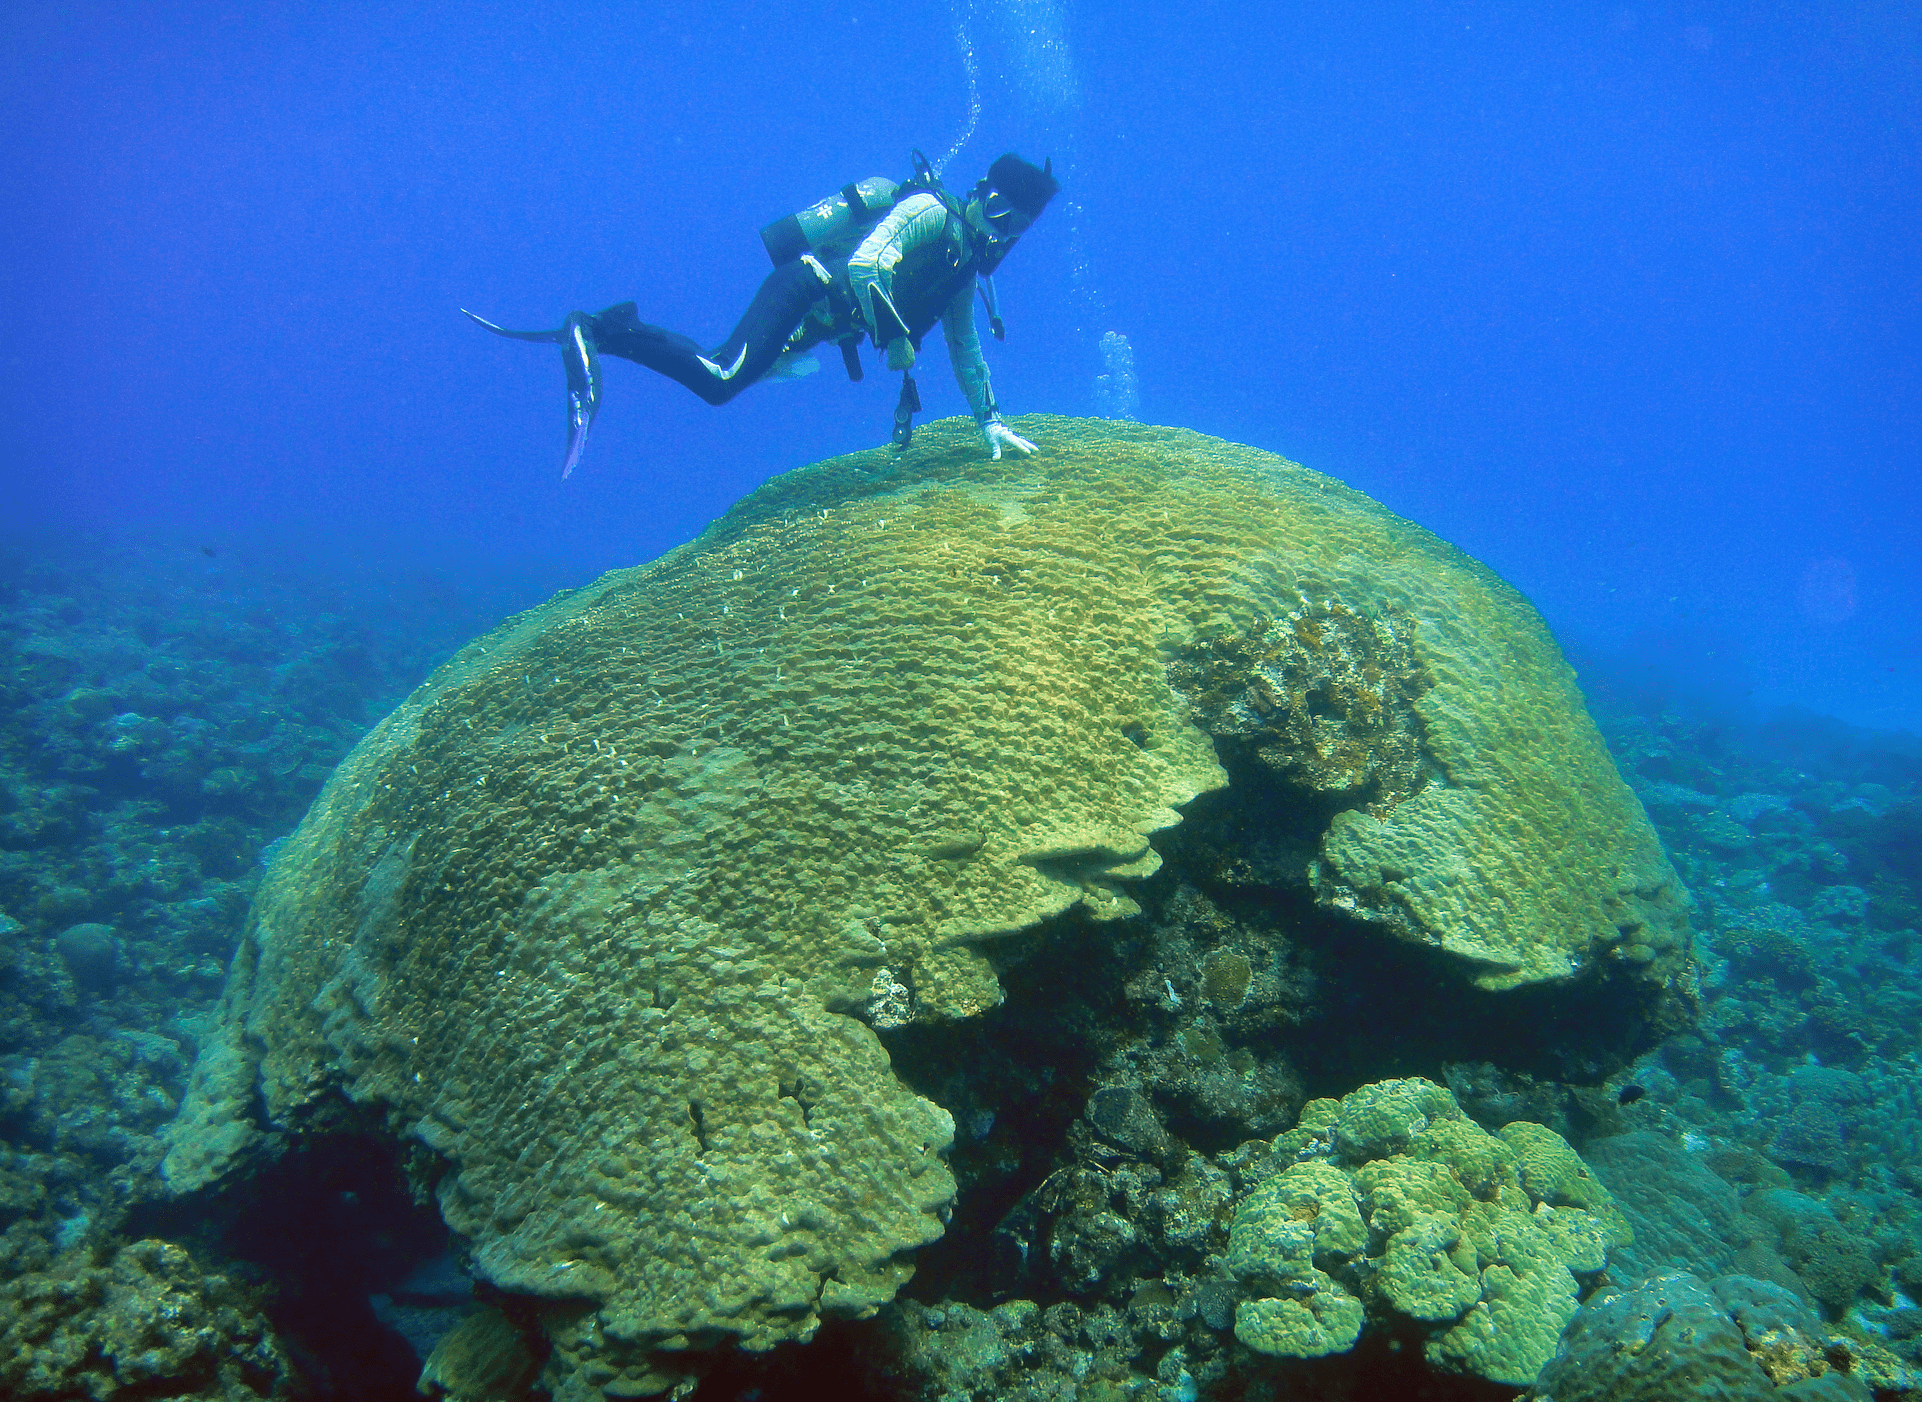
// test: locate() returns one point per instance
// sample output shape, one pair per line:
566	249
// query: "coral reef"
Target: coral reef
149	1322
1678	1338
592	914
1392	1198
1117	1082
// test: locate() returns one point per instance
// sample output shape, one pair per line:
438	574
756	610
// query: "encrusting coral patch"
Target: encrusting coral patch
1391	1201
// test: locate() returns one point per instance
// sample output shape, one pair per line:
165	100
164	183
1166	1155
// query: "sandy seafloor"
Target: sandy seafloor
168	710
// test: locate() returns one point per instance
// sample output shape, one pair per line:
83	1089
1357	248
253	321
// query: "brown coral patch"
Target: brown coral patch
1324	697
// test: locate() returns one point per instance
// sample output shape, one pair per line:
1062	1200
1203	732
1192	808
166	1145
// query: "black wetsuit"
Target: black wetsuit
765	329
923	258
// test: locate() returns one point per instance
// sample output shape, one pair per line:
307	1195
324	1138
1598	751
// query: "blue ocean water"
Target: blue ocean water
1621	299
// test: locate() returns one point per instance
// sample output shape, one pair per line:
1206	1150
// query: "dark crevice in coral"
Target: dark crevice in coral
329	1227
1014	1078
1123	1048
797	1090
1386	1007
849	1362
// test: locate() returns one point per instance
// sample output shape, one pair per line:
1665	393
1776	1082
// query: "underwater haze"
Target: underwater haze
912	993
1621	299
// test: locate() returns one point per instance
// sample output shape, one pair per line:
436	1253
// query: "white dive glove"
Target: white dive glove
998	436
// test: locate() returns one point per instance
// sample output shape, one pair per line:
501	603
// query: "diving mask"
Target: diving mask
1004	219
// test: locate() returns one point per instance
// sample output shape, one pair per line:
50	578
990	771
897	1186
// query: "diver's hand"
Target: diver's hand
998	436
900	354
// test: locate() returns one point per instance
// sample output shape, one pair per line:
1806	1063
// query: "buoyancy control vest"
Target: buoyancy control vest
827	234
830	231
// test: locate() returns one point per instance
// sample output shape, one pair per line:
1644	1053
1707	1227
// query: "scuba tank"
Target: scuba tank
831	230
841	218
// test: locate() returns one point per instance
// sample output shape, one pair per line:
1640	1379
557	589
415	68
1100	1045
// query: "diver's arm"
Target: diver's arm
964	354
971	373
917	220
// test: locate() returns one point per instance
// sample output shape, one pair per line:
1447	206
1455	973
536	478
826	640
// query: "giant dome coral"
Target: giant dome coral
601	916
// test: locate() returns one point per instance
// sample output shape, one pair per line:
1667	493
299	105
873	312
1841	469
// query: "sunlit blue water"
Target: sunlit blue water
1621	299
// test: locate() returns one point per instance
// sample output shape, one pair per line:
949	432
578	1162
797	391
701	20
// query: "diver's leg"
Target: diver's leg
742	358
762	333
619	331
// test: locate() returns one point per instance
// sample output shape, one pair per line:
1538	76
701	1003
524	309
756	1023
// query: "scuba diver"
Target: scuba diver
877	260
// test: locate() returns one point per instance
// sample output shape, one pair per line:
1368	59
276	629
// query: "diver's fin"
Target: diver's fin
551	337
583	366
731	370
